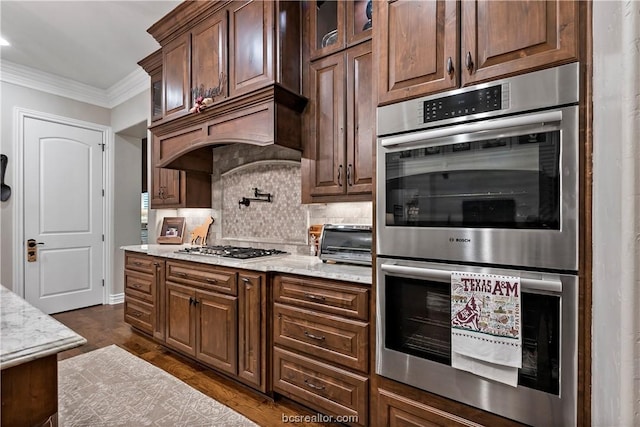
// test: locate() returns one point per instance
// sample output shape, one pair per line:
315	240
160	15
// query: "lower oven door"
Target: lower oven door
413	343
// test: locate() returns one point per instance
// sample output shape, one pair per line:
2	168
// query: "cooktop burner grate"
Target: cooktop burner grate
236	252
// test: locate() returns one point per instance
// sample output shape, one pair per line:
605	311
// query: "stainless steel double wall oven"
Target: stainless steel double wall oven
482	179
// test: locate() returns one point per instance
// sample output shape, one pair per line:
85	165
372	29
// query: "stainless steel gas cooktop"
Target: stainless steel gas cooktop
236	252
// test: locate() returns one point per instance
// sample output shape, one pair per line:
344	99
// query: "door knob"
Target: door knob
32	250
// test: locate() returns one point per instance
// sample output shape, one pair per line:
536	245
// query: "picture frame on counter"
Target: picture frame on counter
172	231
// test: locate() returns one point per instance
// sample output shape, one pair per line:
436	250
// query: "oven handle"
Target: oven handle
545	285
513	122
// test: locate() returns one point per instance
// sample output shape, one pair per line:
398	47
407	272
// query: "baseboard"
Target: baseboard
116	298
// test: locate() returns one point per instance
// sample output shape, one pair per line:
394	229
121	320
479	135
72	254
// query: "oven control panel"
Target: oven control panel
463	104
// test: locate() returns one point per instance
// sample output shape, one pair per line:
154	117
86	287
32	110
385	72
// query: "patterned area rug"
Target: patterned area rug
112	387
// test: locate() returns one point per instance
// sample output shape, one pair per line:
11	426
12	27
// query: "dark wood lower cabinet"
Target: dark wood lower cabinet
215	315
396	410
30	393
321	345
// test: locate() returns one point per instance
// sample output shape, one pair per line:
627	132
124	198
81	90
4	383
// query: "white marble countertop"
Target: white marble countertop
26	333
292	264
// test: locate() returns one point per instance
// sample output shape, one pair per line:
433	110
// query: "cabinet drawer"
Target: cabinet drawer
139	314
139	285
327	296
324	387
212	278
138	262
394	410
335	339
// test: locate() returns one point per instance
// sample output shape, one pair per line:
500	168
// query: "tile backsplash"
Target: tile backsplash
281	224
283	220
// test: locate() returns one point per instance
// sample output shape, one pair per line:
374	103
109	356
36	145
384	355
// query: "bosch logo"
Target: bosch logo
459	240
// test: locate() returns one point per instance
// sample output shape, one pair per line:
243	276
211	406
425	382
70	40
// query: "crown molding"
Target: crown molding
135	83
125	89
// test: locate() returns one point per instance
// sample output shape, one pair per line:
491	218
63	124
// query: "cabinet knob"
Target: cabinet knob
469	62
450	66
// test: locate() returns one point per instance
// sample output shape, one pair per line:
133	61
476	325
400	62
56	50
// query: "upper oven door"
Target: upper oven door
501	191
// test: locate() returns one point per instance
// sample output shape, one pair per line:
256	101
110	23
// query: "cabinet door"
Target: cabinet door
176	72
326	27
508	37
251	44
216	320
209	55
359	21
361	121
327	128
180	327
418	48
165	187
156	95
252	329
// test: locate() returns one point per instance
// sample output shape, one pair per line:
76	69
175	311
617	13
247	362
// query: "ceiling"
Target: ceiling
96	43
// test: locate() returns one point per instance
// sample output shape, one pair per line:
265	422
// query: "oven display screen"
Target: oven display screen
473	102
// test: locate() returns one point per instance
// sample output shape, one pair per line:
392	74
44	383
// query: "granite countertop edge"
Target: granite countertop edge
32	353
28	334
304	265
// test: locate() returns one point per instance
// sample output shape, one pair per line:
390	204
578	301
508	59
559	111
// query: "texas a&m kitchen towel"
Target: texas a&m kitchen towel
486	327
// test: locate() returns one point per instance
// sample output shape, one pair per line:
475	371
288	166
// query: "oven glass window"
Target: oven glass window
510	182
418	323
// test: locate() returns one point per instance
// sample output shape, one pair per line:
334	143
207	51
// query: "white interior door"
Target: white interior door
63	213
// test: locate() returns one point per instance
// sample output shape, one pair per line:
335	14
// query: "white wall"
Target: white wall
126	206
129	122
616	214
19	96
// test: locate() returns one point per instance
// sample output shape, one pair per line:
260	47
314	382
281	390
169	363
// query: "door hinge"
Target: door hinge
103	237
103	192
103	283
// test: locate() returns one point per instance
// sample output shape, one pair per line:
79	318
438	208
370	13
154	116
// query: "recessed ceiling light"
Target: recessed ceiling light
3	42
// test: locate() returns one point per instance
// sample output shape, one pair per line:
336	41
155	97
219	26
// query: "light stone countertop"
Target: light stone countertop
26	333
292	264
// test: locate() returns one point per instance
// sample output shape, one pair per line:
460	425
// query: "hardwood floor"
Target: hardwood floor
103	325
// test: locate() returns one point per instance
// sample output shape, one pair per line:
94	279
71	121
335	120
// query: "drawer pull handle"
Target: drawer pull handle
179	274
137	263
135	285
210	280
314	386
315	297
245	280
314	337
137	314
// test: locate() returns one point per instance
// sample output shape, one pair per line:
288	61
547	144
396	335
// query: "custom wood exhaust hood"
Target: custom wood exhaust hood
248	53
270	116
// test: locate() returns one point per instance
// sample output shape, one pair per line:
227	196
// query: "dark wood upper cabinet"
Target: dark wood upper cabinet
416	39
339	122
152	64
209	55
336	25
501	38
420	52
175	76
251	45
